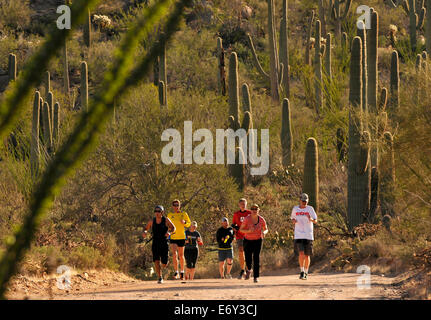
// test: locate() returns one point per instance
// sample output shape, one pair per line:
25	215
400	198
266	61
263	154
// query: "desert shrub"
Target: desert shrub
15	14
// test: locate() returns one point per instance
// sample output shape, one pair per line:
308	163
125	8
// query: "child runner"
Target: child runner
191	253
225	236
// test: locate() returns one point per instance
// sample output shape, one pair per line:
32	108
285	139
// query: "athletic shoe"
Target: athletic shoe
160	280
228	276
305	276
247	275
256	280
241	274
301	275
175	275
182	276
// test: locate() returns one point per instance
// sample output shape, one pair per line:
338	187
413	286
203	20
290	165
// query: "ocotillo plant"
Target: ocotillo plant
12	67
387	180
310	183
318	81
221	72
308	42
34	149
84	86
117	80
416	21
87	29
358	177
394	97
286	134
279	60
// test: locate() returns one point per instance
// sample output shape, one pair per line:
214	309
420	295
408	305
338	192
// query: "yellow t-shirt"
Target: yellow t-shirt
180	232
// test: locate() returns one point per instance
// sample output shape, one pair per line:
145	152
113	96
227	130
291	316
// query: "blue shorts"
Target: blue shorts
225	254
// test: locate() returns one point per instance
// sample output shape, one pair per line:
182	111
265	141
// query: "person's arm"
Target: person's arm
186	219
292	216
264	227
313	216
170	226
235	223
219	237
199	240
244	227
147	227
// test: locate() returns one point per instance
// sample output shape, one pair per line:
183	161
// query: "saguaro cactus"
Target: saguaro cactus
338	14
163	75
308	42
246	101
394	98
56	122
87	30
221	74
358	181
233	87
34	150
50	100
66	82
286	134
328	70
47	133
310	183
341	145
318	81
47	84
363	35
387	181
162	93
84	86
278	60
428	28
12	67
416	21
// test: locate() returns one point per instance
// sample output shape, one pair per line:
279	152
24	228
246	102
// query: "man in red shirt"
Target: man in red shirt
238	218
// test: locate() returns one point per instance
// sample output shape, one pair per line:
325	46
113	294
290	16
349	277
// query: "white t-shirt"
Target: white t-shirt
303	227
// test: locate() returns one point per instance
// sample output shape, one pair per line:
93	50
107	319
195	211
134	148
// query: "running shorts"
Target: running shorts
304	245
160	252
179	243
191	255
225	254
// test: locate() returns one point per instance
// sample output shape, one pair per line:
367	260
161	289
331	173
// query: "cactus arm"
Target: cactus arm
246	122
246	98
421	20
280	76
256	59
383	100
364	154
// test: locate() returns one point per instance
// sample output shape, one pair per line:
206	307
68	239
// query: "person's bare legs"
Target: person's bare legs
192	273
221	268
174	249
158	270
307	260
229	266
188	274
181	256
241	257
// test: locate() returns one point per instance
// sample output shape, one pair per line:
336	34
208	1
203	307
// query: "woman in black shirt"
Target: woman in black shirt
191	252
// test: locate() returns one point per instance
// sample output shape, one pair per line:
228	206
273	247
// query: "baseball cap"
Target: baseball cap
304	197
224	219
254	205
159	207
194	223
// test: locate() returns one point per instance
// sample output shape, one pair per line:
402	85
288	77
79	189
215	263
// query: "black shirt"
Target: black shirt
227	235
192	238
159	230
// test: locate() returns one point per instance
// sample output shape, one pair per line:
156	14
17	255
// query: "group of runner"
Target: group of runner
248	229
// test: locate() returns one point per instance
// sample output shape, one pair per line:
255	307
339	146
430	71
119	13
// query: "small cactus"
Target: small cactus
311	173
394	98
12	67
416	21
35	151
221	74
47	84
387	181
162	91
246	101
56	122
87	30
308	43
66	83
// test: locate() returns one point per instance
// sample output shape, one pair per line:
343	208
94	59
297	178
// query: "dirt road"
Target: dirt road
278	287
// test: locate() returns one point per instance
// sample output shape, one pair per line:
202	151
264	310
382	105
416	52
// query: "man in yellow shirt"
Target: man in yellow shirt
177	240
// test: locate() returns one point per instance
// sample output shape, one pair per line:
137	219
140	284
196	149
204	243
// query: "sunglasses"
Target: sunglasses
175	205
253	209
157	211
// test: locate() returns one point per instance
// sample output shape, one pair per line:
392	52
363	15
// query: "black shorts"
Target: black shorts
304	245
160	251
191	255
179	243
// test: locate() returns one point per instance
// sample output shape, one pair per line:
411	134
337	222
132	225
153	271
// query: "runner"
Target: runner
254	229
191	253
181	221
238	218
303	216
225	236
161	228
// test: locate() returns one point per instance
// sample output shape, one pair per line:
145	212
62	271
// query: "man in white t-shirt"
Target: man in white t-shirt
303	216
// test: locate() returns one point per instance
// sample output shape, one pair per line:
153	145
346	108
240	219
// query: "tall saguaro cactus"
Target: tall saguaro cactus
278	59
286	134
84	86
428	28
387	181
394	97
339	14
56	122
233	87
318	80
221	73
47	133
35	151
308	42
87	30
163	75
363	35
359	178
66	82
310	183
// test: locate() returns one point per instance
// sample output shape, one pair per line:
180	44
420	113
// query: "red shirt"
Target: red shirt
238	218
257	228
